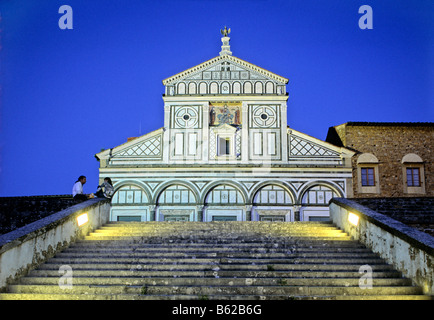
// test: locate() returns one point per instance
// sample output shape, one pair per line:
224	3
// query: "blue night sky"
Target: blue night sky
67	94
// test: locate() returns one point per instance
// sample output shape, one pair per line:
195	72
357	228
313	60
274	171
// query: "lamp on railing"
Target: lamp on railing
82	219
353	219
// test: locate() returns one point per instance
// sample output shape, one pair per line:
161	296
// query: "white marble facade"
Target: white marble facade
225	152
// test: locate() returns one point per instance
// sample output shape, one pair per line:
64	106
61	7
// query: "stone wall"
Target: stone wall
16	212
413	211
407	249
25	248
389	142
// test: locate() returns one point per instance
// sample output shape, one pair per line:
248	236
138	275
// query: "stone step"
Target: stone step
212	281
21	296
206	234
216	245
144	239
141	273
219	224
217	290
124	241
217	249
216	267
239	225
257	230
236	254
216	260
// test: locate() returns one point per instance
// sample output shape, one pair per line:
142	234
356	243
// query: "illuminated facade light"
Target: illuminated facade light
82	219
353	219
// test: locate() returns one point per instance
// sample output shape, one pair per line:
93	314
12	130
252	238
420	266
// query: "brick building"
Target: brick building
391	159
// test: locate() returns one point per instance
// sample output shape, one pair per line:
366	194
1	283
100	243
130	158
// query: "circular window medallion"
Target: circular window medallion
264	116
186	117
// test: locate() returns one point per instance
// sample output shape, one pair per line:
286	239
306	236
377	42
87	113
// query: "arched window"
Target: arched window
214	88
202	88
192	88
247	87
269	88
176	194
225	88
224	195
318	195
236	88
258	87
367	174
413	174
129	194
181	88
272	195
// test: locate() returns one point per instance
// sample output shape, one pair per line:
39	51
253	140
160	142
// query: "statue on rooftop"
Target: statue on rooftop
225	31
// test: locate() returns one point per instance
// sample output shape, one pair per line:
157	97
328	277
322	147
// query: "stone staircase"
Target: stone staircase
214	260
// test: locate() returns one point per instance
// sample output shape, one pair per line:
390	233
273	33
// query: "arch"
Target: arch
269	87
176	194
213	88
225	88
236	88
411	158
192	88
280	184
272	195
367	158
181	88
248	87
319	193
130	192
203	88
215	184
167	184
258	87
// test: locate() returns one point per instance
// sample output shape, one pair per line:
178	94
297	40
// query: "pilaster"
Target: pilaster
166	134
283	130
205	132
245	133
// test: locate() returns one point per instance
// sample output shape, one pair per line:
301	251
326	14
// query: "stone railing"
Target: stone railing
409	250
25	248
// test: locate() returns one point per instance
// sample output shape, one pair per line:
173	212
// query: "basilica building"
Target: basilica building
225	152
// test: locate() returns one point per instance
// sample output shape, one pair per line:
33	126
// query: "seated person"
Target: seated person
105	190
77	190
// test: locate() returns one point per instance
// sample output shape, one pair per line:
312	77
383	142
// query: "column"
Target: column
200	212
205	132
249	212
245	133
152	212
284	136
297	213
166	134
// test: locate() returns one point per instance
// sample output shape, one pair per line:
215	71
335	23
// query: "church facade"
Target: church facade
225	152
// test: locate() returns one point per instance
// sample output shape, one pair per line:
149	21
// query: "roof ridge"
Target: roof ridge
234	59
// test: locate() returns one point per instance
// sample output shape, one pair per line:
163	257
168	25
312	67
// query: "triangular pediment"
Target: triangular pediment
147	146
228	68
225	128
303	145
